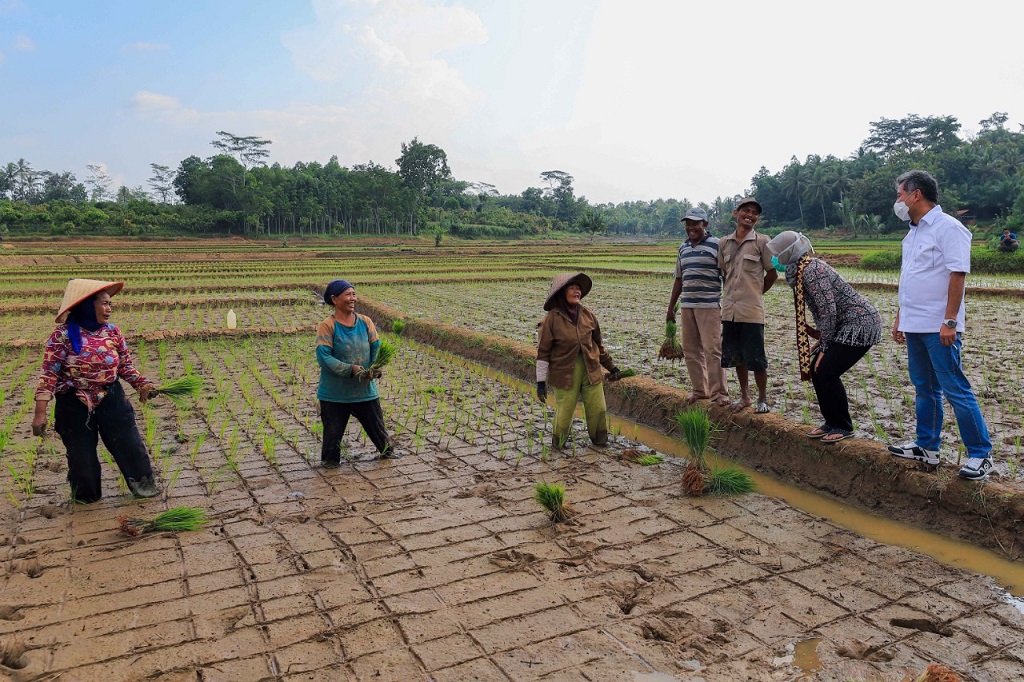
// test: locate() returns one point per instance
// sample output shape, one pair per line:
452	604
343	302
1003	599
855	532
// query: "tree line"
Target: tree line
236	190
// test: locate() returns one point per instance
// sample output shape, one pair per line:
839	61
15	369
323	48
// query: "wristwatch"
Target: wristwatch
950	323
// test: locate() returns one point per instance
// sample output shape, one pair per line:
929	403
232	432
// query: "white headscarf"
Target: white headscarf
789	246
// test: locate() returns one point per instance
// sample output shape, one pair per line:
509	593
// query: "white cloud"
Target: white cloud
142	46
23	43
146	101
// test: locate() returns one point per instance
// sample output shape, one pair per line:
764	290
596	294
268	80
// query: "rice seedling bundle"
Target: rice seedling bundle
397	327
175	519
693	481
179	391
551	496
697	428
729	480
386	352
641	457
671	349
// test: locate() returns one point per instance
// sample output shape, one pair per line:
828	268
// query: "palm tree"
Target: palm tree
793	183
819	187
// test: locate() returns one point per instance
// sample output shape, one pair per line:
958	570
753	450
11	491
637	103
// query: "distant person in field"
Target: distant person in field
846	326
346	344
746	265
930	321
84	361
698	289
1008	241
570	355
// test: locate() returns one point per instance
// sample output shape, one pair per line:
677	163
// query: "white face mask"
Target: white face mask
901	210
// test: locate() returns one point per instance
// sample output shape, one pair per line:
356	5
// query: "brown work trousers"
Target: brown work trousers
702	346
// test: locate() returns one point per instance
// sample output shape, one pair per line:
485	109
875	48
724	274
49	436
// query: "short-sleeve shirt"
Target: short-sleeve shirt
937	246
697	267
743	266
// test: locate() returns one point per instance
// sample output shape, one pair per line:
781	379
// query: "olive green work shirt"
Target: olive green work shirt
743	265
559	341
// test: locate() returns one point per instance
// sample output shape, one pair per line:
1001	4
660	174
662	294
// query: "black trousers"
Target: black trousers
828	383
334	417
113	420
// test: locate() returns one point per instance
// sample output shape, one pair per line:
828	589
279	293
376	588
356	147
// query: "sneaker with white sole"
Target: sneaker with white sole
976	468
915	452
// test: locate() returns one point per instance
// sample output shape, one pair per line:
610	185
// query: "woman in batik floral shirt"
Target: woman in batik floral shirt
84	358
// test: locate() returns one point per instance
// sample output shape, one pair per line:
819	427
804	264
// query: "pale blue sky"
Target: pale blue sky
638	99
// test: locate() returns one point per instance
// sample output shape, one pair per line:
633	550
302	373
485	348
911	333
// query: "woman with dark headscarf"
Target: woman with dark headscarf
570	354
346	344
847	326
84	358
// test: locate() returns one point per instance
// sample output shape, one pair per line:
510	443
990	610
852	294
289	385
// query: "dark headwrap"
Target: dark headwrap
338	286
82	316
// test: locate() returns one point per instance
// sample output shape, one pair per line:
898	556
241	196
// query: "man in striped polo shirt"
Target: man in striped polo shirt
698	288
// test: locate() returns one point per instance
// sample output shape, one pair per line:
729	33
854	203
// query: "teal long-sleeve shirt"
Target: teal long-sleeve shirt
338	348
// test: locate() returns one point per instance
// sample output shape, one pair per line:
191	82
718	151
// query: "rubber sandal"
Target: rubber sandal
819	431
836	435
762	408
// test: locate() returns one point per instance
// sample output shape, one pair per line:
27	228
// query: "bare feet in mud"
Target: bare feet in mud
694	398
740	405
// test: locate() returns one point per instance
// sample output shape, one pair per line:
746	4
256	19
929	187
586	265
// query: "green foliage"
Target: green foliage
397	327
176	519
179	391
649	460
551	496
728	480
882	260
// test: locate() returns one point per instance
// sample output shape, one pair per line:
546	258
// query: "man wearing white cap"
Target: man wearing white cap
698	289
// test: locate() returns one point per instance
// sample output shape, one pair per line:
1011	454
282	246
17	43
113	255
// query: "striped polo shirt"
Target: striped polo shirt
697	267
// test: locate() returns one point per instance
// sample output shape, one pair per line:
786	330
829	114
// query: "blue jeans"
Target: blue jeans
935	371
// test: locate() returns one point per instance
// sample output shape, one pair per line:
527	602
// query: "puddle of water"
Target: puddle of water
805	656
1007	574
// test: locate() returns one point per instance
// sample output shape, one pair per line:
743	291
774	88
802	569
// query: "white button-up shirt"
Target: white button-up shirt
936	247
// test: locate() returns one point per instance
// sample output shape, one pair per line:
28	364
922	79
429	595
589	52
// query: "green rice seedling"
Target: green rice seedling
397	327
386	352
179	390
728	480
195	447
173	520
270	448
697	429
626	373
649	460
551	496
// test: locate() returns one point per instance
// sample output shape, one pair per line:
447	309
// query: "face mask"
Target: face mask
777	265
901	210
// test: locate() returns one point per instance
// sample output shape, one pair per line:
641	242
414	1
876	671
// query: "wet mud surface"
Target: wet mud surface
439	565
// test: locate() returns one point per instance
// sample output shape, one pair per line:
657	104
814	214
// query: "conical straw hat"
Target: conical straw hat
80	289
563	280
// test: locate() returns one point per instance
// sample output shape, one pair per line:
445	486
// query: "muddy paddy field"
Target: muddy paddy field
439	565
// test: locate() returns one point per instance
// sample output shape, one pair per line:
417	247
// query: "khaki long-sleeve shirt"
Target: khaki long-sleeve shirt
560	341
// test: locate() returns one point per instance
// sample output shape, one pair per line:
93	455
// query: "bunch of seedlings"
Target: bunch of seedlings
642	458
173	520
671	349
181	391
551	496
698	479
386	352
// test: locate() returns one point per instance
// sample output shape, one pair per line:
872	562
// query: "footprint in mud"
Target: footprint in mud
12	655
8	612
48	511
862	651
33	569
512	559
924	625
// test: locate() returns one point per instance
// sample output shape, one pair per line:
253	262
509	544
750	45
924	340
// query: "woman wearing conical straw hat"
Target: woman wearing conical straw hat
83	361
570	355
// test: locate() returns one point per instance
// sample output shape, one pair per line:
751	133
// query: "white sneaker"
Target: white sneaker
915	452
976	468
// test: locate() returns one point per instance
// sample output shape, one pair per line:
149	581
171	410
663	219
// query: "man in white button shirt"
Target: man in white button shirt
930	320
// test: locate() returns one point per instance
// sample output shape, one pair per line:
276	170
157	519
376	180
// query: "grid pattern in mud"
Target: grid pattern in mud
440	564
